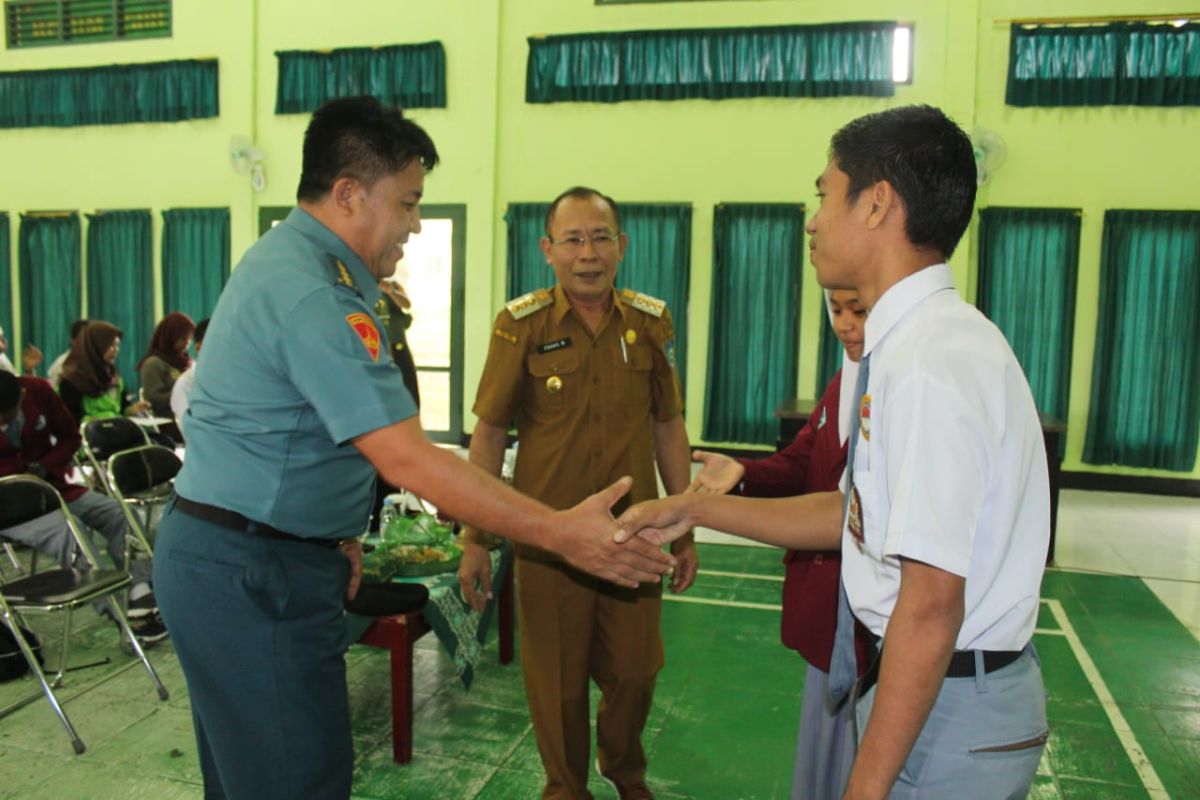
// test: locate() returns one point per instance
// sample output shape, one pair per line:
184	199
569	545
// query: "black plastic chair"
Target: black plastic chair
142	479
102	438
24	498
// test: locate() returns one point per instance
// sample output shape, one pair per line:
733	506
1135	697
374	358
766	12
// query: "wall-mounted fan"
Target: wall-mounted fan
990	153
243	155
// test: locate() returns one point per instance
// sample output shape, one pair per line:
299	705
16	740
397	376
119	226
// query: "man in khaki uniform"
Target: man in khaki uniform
587	375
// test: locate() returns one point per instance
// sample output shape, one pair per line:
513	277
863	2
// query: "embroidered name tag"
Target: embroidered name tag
550	347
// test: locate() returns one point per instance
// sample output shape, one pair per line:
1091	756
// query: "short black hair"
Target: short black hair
10	391
581	193
201	329
926	158
361	138
77	326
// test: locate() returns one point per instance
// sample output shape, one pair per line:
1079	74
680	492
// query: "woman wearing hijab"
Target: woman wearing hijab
813	462
165	360
91	386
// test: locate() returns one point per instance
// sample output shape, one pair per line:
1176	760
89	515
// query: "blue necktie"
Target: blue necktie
843	665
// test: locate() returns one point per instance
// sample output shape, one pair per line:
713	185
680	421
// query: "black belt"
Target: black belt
235	521
962	663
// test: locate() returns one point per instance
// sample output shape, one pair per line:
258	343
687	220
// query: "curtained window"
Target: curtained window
195	259
49	262
167	91
407	75
829	351
121	283
1028	263
753	338
1145	404
6	315
853	58
1125	63
657	262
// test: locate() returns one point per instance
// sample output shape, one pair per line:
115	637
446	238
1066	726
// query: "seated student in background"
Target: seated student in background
91	386
38	437
165	360
183	387
30	357
54	373
813	462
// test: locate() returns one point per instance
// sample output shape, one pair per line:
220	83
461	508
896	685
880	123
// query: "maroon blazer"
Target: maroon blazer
813	462
49	437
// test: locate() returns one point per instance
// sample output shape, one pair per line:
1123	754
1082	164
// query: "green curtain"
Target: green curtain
121	283
195	259
6	315
527	267
49	261
829	352
166	91
408	75
1028	262
754	325
1145	404
853	58
657	263
1124	63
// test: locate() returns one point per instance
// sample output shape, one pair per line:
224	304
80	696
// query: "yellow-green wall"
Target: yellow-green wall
497	149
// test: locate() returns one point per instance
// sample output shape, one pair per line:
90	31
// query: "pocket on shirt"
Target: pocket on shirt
554	377
633	368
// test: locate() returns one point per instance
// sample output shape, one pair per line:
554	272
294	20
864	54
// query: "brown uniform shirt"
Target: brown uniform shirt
583	405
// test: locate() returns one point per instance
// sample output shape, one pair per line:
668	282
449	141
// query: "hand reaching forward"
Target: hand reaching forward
591	541
718	475
656	521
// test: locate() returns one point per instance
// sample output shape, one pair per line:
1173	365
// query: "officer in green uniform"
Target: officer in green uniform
587	374
296	404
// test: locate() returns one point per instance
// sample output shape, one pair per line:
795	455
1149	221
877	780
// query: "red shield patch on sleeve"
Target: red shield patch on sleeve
364	326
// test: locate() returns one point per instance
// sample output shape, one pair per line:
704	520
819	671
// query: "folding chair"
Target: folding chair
24	498
142	479
102	438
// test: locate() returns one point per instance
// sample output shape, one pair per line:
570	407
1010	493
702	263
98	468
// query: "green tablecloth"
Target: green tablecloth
460	629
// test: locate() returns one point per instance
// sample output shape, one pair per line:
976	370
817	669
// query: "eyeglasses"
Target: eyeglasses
600	241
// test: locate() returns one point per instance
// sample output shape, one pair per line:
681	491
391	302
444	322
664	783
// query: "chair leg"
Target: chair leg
27	651
123	621
12	558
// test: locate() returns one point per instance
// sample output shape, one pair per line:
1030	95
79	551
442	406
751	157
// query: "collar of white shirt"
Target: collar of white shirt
901	298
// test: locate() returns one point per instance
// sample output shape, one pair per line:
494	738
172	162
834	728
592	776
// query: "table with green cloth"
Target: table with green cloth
461	630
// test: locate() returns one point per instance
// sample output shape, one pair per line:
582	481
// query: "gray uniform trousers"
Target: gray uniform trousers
49	533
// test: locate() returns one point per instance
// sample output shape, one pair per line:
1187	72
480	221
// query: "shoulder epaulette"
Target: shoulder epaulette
644	302
526	304
343	274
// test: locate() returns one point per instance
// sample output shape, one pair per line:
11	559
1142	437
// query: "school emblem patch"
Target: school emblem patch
854	519
364	327
864	417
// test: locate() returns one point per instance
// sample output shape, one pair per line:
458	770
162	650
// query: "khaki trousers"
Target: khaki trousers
575	628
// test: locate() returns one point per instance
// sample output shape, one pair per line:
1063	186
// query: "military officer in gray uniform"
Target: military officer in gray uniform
296	404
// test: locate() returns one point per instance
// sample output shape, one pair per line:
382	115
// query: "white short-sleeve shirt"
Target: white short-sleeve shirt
950	465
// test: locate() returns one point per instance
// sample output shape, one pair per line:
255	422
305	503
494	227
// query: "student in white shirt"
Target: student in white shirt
183	386
945	535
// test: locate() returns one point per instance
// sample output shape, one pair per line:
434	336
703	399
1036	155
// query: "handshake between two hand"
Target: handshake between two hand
633	554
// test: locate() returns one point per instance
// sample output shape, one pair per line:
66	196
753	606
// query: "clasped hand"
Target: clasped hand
668	518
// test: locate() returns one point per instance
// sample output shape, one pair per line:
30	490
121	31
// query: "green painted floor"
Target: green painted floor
1123	678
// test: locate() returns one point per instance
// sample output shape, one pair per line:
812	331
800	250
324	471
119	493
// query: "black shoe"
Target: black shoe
143	607
149	629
